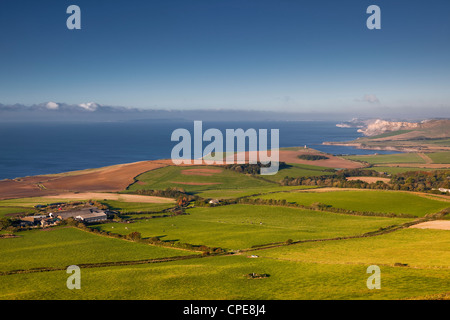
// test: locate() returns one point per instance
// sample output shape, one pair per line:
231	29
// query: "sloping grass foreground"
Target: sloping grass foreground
224	277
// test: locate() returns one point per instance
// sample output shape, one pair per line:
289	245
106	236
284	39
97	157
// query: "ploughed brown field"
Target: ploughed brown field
107	179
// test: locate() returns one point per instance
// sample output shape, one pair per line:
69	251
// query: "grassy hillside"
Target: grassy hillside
61	247
367	200
408	246
243	226
194	179
224	278
299	170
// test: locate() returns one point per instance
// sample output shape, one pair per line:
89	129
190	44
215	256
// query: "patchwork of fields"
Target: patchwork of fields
311	242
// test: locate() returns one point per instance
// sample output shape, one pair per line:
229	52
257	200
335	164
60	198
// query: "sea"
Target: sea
28	149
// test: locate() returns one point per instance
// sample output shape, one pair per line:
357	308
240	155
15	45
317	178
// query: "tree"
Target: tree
134	236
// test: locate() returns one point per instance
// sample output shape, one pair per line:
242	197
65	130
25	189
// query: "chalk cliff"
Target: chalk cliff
379	126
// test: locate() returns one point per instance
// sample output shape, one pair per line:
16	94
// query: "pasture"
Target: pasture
295	170
408	246
365	201
223	277
64	246
439	157
196	179
236	227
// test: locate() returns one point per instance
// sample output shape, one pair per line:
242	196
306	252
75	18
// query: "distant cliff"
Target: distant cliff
382	126
422	136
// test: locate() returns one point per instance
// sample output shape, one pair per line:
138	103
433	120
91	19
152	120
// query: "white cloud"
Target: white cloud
90	106
52	105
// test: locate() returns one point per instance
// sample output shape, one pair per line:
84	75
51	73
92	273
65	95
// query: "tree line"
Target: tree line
422	181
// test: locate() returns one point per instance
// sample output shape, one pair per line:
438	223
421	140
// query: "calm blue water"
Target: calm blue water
43	148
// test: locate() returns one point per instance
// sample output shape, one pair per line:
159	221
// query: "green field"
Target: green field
299	170
390	134
172	176
223	277
25	205
242	226
407	246
12	210
126	207
440	157
396	170
61	247
365	201
237	193
388	158
30	202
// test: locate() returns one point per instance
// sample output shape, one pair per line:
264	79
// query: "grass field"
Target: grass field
365	200
440	157
298	170
407	246
126	207
173	176
30	202
10	210
396	170
388	158
223	278
242	226
61	247
390	134
25	205
236	193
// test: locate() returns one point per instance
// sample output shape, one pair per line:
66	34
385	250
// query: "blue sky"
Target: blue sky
284	55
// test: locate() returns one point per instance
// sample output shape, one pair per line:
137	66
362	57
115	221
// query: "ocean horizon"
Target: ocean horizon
30	149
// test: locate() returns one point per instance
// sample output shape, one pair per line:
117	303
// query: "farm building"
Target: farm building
96	216
47	222
92	214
